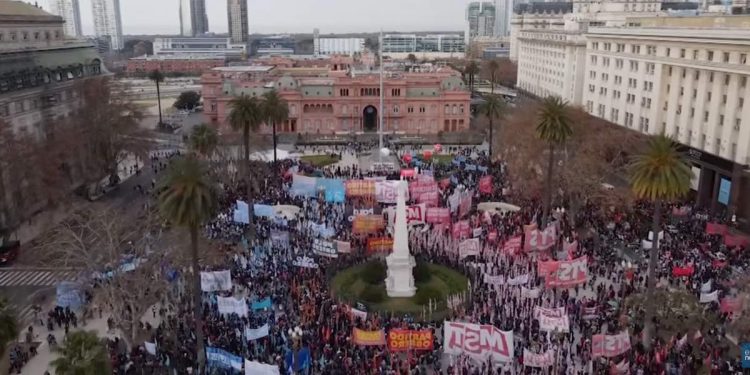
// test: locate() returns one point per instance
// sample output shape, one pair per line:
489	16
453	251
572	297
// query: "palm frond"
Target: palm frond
660	172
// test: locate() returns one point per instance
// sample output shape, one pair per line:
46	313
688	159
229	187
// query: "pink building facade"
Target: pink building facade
329	100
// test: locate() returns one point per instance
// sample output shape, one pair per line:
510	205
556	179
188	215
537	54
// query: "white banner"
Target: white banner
468	248
359	314
231	305
518	280
501	280
387	191
305	262
478	341
494	279
256	333
710	297
150	347
551	320
476	232
257	368
325	248
530	293
415	214
707	286
545	359
214	281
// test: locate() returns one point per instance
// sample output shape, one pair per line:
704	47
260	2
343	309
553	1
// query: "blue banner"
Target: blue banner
263	210
482	169
335	191
242	213
302	361
304	186
262	304
454	180
322	231
461	159
471	167
456	162
69	294
223	359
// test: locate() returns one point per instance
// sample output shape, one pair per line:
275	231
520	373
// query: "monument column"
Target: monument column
400	280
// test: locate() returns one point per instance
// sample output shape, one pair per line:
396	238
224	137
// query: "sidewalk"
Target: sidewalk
40	362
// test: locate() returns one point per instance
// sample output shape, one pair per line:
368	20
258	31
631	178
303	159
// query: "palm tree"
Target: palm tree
82	353
493	108
157	77
188	200
275	111
492	67
553	128
203	140
8	324
246	115
412	58
471	70
658	174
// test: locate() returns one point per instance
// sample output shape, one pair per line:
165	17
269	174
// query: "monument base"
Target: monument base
400	280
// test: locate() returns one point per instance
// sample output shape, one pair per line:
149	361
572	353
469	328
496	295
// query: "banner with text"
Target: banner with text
478	341
324	248
215	281
402	339
366	224
368	338
610	345
569	273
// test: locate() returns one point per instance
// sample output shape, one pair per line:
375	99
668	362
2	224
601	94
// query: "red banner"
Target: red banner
539	240
360	188
422	186
437	215
461	229
368	338
380	244
734	240
431	199
408	173
569	273
716	228
492	236
364	224
544	268
730	305
485	185
610	345
512	245
402	339
682	271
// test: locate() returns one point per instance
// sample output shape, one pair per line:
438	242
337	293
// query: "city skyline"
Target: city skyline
290	16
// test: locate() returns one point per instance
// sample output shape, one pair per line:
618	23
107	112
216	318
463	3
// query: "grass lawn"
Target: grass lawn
320	161
347	286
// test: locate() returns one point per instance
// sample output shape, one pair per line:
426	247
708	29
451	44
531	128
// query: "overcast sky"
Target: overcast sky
294	16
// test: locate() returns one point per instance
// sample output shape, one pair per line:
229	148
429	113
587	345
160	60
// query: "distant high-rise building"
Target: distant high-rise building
480	20
503	14
71	13
237	16
107	22
193	18
316	41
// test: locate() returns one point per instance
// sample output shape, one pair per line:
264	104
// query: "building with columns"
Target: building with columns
686	77
340	99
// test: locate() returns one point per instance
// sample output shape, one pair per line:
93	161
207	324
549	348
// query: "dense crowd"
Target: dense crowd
264	269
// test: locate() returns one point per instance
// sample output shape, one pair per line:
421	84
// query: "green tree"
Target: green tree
658	174
246	115
492	67
471	70
157	77
275	110
187	100
188	200
82	353
412	58
203	140
493	108
554	129
8	324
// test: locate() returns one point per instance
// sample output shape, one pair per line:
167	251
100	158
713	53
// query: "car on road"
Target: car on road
9	252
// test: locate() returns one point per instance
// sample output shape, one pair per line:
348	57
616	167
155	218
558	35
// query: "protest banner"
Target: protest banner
263	304
730	305
360	188
220	358
464	204
707	286
610	345
280	238
150	347
492	236
343	247
494	280
461	229
735	239
408	173
682	271
257	368
305	262
215	281
454	200
422	186
468	248
540	240
716	228
365	224
387	191
709	297
569	273
231	305
485	185
530	293
415	214
544	268
256	333
436	215
430	199
368	338
518	280
512	245
357	313
333	189
379	245
324	248
541	360
403	339
478	341
476	232
570	248
303	186
263	210
552	320
241	212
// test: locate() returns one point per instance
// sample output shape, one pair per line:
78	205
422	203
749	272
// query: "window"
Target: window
741	102
344	92
743	57
593	60
409	109
682	53
422	109
710	56
618	63
668	52
724	99
692	112
703	141
726	79
721	120
705	115
592	88
589	106
695	93
737	124
395	109
709	96
725	57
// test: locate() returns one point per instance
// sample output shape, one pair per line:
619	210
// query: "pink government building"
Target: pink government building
329	96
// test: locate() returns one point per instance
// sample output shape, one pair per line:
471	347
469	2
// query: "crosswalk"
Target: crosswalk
35	277
24	314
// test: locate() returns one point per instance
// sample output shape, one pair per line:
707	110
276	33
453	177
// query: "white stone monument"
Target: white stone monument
400	280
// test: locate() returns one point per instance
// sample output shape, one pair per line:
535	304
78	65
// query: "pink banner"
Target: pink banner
408	173
461	229
610	345
478	341
512	245
570	248
682	271
544	268
430	199
546	359
716	228
734	240
492	236
485	185
730	305
569	273
465	204
436	215
540	240
422	186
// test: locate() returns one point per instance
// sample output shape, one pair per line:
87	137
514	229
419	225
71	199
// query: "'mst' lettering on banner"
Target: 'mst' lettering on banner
569	273
478	341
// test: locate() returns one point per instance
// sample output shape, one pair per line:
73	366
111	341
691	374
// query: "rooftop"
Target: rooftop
179	57
19	8
244	69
